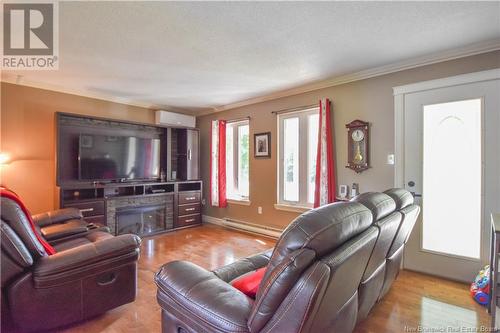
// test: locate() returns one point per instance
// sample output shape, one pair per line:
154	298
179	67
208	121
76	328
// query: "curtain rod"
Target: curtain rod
299	108
237	119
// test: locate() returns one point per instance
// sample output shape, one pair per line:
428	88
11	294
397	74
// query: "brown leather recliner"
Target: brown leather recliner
387	220
92	271
410	212
329	265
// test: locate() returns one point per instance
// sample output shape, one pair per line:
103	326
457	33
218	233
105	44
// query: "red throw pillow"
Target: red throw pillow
250	282
12	196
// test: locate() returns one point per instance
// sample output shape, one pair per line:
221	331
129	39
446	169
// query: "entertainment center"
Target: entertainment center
131	177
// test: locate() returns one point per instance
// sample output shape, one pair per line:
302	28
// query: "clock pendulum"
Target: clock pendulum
358	158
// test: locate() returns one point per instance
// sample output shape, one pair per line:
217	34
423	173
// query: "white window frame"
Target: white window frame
234	127
302	204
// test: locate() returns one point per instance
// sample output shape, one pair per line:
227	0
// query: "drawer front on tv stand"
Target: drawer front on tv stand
189	198
184	221
189	209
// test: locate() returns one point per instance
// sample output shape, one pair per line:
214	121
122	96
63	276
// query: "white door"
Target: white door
450	155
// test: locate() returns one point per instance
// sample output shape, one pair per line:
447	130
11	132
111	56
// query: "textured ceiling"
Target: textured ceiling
199	55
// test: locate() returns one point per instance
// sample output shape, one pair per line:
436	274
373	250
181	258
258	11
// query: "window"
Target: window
237	160
297	157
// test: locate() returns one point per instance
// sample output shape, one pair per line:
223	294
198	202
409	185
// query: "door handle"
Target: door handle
411	183
189	154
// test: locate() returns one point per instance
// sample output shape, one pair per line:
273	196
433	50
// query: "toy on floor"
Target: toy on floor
480	288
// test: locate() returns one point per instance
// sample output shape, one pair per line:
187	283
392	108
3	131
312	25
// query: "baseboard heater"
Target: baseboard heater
244	226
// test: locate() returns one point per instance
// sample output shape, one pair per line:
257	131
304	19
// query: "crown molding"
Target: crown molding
488	75
462	52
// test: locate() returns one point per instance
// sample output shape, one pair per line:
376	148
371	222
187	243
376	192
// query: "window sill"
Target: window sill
239	202
290	208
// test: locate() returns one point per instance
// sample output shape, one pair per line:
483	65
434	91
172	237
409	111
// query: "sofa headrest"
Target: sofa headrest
379	204
15	257
402	197
15	218
323	229
14	247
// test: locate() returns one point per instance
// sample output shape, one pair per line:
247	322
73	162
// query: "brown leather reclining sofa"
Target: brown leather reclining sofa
327	270
91	272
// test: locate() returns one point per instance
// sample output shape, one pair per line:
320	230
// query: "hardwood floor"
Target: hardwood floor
418	300
207	246
415	299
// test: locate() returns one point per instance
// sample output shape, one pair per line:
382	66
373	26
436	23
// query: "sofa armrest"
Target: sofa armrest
198	297
56	216
61	230
242	266
85	260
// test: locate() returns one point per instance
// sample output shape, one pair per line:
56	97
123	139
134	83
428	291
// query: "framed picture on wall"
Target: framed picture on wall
262	145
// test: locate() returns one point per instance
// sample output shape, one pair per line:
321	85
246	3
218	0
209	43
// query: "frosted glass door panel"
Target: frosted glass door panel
452	178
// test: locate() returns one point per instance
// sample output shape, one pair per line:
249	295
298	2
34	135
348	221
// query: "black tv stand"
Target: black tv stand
129	205
146	207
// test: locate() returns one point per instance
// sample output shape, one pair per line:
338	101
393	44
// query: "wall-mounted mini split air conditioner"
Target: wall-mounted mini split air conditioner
167	118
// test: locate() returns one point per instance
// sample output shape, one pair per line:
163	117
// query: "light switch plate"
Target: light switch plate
390	159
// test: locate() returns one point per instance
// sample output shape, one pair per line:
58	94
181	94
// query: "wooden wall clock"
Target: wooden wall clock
358	145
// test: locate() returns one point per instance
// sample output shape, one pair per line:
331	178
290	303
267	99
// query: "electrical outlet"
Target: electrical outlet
259	210
203	201
390	159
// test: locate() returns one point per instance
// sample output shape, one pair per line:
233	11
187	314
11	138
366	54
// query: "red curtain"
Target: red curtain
222	164
325	167
218	164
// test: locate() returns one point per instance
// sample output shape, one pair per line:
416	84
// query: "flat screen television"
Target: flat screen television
105	157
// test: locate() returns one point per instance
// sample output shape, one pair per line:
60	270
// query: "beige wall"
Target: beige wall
369	100
28	134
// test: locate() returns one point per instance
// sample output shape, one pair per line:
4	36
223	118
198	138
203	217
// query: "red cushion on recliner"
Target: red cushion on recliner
249	283
6	193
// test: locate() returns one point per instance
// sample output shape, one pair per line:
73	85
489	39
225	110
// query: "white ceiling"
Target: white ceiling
203	55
